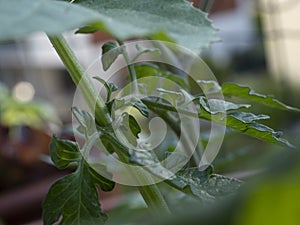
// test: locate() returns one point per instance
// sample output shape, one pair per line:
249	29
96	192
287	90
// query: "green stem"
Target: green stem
154	199
81	80
150	193
131	70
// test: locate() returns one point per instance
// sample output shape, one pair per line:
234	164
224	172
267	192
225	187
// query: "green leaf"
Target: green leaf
75	197
218	106
134	126
178	19
64	152
204	184
171	20
141	107
110	87
201	183
110	52
236	90
22	17
243	122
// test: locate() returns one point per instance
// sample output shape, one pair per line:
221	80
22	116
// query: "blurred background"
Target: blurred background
260	48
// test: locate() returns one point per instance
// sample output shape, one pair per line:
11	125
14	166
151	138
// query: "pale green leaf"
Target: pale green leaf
175	20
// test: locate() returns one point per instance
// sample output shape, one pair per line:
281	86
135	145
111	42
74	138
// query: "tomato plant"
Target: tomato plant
156	87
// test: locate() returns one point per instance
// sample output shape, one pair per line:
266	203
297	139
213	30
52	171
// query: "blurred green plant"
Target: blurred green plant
35	114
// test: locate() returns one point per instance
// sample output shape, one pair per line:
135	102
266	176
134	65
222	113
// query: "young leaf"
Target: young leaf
236	90
75	196
64	152
86	121
110	52
134	126
110	87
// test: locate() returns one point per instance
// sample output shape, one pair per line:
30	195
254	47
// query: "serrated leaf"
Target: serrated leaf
110	87
174	20
219	105
236	90
245	123
75	198
178	19
110	52
204	184
64	152
201	183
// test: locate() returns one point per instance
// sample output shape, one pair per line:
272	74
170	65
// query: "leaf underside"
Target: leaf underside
170	20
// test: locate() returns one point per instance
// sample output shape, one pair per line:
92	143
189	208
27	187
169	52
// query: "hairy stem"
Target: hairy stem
77	74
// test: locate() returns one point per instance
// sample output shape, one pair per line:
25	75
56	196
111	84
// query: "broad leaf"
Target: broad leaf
175	20
110	52
75	196
158	19
235	90
22	17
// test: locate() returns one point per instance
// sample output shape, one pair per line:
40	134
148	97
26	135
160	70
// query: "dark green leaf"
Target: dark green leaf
110	52
134	126
236	90
75	198
64	152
